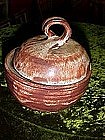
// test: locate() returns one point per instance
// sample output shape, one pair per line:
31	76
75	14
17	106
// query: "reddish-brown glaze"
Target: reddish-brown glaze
65	65
48	74
42	97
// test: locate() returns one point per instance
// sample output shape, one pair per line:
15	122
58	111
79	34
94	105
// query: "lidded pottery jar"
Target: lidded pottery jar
48	72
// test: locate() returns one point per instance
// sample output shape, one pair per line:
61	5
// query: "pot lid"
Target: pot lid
50	59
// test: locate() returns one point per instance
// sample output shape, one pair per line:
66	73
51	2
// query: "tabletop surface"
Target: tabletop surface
86	118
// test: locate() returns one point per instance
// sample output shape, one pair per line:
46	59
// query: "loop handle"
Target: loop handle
57	20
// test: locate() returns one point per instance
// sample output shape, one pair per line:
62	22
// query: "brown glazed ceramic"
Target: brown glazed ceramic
48	72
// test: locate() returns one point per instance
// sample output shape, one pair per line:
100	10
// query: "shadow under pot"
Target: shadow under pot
48	72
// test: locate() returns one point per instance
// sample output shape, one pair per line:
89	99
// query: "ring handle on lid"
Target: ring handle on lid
57	20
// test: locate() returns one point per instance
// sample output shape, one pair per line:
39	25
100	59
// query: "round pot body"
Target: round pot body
48	74
42	97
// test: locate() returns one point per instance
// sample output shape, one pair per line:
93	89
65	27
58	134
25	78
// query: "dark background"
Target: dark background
35	11
19	11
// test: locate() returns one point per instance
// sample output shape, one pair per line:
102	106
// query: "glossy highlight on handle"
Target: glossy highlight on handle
57	20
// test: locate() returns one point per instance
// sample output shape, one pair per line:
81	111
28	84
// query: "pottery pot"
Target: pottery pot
48	72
